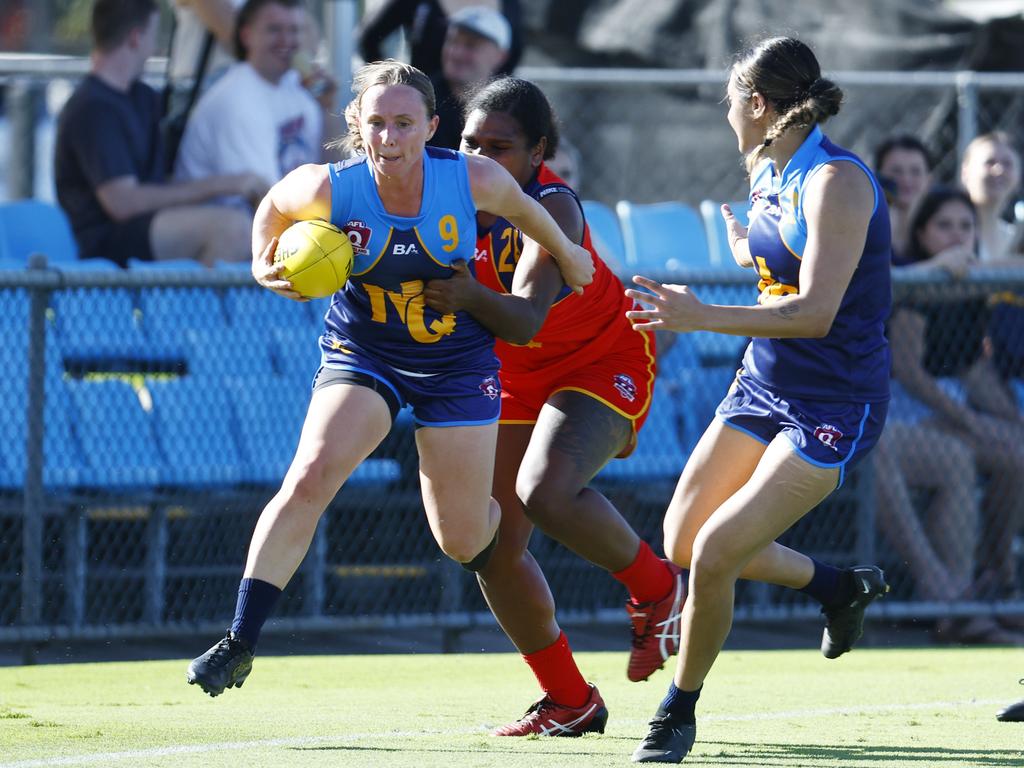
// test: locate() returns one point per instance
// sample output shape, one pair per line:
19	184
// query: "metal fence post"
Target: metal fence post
966	113
22	103
32	512
866	502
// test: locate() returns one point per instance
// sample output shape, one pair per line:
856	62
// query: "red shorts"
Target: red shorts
623	380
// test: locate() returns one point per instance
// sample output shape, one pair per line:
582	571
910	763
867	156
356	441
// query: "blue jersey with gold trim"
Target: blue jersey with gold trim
851	363
381	309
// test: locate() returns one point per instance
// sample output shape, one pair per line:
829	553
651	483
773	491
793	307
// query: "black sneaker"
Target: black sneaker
1013	713
225	665
844	623
668	741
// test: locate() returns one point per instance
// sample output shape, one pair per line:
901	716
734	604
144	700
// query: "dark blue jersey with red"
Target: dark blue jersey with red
851	363
578	329
381	310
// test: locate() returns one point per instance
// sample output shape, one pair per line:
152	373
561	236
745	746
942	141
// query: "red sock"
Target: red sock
557	673
647	578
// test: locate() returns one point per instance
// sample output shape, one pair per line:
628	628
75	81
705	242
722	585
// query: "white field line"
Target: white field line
104	758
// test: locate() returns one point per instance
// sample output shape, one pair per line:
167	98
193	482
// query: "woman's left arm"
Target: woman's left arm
495	191
838	203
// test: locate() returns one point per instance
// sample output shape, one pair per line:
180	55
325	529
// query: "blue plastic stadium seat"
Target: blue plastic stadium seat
32	226
259	310
223	352
62	460
187	265
166	312
606	234
296	353
194	428
268	444
718	236
98	324
87	265
318	309
660	454
699	391
662	237
116	435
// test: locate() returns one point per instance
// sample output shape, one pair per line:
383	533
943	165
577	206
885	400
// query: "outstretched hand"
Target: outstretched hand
673	307
453	293
736	233
268	274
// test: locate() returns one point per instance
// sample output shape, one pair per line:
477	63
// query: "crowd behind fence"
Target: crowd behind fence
644	135
152	413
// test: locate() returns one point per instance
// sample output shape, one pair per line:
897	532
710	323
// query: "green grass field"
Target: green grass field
873	708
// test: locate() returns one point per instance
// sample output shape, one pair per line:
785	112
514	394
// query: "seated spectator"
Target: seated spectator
940	360
904	166
939	541
109	159
475	46
258	118
990	172
425	23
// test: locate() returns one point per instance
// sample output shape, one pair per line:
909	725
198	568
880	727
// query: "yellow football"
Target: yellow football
317	257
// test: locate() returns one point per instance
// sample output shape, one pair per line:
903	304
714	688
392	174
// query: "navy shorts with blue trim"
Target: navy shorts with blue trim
460	398
823	433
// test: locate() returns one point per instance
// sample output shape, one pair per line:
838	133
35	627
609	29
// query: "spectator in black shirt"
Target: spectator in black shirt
109	159
475	47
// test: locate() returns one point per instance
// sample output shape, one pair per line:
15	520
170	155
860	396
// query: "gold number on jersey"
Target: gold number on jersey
449	232
768	284
410	305
509	256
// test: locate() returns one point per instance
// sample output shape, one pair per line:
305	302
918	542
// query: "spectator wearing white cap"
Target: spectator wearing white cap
424	23
475	47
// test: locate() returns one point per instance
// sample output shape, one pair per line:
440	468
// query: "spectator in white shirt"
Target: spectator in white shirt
258	117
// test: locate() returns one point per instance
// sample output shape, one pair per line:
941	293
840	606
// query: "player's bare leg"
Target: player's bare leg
575	436
343	425
456	469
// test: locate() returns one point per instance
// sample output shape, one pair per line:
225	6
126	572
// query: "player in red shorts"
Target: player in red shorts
576	386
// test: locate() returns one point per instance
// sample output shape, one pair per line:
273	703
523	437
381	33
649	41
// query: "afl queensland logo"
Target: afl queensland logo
828	435
359	234
624	384
490	388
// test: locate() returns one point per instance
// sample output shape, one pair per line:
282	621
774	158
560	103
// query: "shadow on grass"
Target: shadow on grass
808	755
741	754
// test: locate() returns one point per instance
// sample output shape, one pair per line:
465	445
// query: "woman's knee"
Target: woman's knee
315	479
545	499
471	549
678	545
712	561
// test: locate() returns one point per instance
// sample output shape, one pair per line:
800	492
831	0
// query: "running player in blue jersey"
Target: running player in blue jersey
410	212
811	397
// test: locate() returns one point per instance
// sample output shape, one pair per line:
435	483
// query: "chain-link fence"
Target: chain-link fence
649	135
642	135
149	415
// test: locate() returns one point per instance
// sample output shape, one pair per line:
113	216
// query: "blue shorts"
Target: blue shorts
462	398
823	433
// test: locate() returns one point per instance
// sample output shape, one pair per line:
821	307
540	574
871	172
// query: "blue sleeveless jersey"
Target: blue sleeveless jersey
381	310
851	363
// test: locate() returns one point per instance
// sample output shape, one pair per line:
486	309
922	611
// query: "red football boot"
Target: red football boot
656	628
546	718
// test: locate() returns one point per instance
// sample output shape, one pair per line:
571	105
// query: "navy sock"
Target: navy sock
679	704
256	600
829	585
